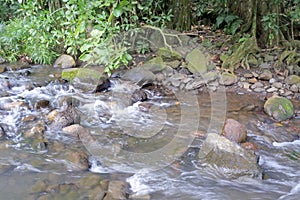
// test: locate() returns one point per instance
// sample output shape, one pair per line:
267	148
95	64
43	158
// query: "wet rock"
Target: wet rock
234	131
18	66
65	118
52	115
64	61
266	75
41	104
37	129
168	54
29	118
227	79
139	76
280	108
139	95
2	69
2	133
89	79
14	105
145	106
74	130
117	190
78	160
197	62
228	157
292	79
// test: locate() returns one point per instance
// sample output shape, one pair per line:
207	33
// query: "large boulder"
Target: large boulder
228	158
90	79
197	62
280	108
228	79
169	54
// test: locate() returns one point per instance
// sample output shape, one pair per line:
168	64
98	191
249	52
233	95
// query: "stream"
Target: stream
152	146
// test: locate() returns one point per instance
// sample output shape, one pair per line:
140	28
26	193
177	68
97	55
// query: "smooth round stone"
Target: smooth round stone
259	90
277	85
272	80
272	89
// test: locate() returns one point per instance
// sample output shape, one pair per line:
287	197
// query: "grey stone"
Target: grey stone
266	75
277	85
195	84
228	158
227	79
140	76
272	80
272	89
65	61
294	88
259	90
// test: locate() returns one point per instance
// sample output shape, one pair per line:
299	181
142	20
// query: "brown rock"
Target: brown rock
252	80
234	131
74	130
52	115
292	79
249	146
41	104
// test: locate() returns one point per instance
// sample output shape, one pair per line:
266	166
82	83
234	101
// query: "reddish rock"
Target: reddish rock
234	131
249	146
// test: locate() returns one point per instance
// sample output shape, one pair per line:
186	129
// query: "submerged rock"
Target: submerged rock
234	131
280	108
228	158
64	61
117	190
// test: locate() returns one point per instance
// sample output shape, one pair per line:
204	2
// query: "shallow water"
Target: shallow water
154	151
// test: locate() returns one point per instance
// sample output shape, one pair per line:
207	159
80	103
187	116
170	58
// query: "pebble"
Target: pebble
266	75
259	90
294	88
255	74
272	89
252	80
257	85
272	80
248	75
277	85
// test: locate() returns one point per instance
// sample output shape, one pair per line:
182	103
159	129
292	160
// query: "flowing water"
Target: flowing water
153	146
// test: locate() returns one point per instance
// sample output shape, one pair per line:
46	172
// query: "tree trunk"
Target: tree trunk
252	12
181	10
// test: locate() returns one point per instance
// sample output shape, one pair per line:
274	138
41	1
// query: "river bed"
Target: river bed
129	141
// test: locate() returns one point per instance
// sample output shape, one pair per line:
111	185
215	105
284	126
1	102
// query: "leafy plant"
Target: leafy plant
229	22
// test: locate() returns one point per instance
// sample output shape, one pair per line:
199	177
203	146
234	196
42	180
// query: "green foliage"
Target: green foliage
230	23
43	29
218	9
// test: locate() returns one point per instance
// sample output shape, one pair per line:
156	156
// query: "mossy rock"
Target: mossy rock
280	108
69	74
155	65
197	62
168	54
